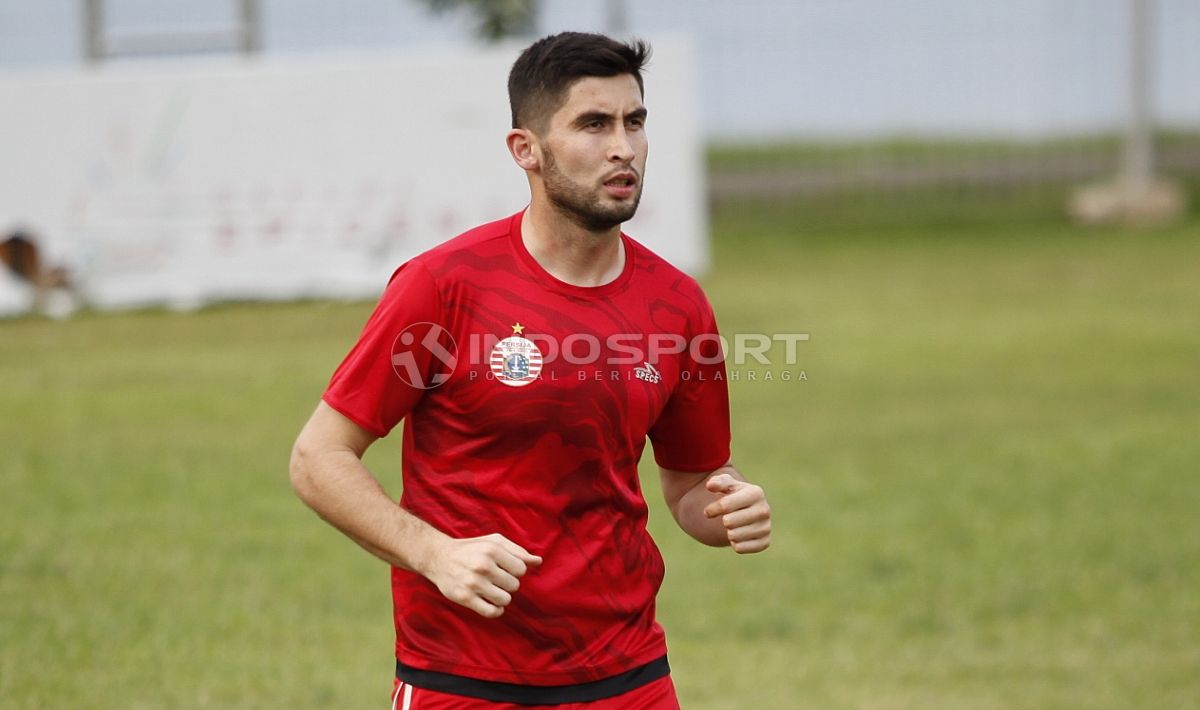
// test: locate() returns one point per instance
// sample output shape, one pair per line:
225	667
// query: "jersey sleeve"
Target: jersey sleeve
692	432
381	379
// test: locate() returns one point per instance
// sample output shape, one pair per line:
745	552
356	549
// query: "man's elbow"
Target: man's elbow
300	471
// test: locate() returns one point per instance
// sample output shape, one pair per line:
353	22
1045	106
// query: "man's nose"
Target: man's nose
621	150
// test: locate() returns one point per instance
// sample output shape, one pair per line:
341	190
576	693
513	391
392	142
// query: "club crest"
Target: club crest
516	361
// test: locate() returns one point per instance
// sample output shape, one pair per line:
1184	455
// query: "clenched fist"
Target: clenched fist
480	573
743	510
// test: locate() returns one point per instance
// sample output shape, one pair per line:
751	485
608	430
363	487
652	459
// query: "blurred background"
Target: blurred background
132	113
982	462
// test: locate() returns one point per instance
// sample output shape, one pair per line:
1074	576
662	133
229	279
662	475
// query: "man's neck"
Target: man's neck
570	253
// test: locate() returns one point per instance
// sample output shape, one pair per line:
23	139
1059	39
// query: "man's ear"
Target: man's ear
522	145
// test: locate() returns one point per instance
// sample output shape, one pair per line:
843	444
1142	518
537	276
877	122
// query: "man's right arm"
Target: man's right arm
328	474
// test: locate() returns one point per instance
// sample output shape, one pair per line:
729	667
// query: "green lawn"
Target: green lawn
901	150
986	493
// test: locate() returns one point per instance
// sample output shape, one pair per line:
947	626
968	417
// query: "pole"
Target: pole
1137	168
93	30
616	20
251	26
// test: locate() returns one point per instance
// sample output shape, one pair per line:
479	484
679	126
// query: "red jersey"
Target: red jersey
528	402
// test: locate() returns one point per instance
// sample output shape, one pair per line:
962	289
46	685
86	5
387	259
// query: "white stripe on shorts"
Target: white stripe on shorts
407	696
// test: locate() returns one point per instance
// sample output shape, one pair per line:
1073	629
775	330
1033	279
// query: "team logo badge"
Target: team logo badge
516	361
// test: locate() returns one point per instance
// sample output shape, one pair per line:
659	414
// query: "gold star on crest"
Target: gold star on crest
518	329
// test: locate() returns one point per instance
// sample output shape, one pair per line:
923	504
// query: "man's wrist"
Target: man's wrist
428	550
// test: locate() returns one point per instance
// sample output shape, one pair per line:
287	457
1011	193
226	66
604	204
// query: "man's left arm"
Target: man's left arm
719	508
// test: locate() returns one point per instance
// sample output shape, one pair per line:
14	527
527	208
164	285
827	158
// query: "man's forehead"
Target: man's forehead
605	94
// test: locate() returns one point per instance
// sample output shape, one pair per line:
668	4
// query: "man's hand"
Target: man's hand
480	573
743	510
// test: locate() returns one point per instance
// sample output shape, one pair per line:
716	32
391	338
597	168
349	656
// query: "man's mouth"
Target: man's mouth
622	181
621	185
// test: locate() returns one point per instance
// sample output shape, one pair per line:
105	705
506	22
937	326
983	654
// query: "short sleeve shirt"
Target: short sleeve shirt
527	403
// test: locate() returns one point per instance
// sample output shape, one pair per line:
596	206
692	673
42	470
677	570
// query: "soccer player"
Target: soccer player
530	359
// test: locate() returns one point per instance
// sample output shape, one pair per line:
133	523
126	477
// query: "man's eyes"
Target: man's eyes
600	123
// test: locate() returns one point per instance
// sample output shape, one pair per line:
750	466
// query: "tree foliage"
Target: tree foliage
497	18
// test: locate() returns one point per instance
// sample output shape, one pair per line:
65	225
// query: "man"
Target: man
531	358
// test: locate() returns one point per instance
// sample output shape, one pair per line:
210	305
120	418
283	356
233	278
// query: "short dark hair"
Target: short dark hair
543	74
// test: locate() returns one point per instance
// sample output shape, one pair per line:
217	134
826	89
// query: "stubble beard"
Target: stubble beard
581	204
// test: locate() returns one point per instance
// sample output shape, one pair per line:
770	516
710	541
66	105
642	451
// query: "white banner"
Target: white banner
180	183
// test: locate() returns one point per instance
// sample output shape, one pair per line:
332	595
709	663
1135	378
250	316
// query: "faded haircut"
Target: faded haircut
542	76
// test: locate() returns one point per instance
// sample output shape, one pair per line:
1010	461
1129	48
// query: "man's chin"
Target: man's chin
601	216
613	218
623	210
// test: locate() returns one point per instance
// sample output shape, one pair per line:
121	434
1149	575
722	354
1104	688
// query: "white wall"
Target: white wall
182	182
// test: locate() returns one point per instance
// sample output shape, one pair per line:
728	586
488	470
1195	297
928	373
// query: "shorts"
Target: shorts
656	695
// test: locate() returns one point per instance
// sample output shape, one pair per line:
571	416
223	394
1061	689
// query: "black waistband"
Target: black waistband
534	694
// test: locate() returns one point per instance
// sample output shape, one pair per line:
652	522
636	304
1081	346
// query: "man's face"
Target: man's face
594	152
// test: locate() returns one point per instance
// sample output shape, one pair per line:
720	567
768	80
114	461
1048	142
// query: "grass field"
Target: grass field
829	154
986	493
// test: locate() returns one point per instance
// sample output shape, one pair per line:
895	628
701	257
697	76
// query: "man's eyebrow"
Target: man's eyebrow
589	116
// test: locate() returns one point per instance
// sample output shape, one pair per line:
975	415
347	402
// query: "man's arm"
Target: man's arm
719	508
328	474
